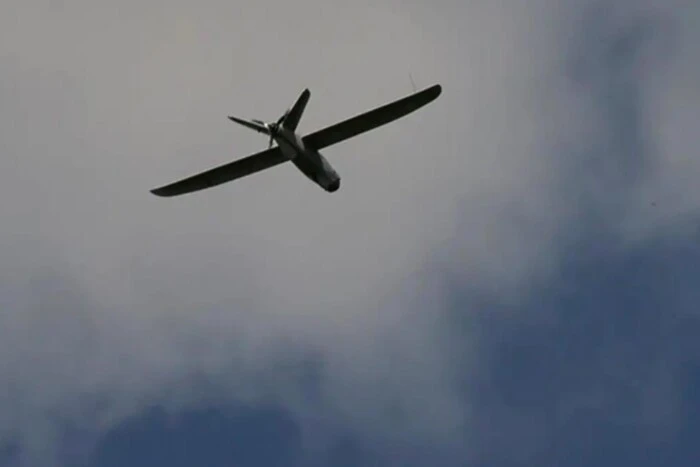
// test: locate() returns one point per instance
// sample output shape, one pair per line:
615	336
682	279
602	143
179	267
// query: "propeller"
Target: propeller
273	127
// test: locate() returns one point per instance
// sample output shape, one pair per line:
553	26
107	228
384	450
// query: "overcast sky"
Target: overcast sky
507	276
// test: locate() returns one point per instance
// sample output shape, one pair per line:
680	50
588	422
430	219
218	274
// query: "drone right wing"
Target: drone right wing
225	173
372	119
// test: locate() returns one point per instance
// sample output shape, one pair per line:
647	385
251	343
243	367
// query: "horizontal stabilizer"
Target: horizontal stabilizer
253	125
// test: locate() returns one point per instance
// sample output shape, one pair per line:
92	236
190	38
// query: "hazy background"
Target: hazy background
506	276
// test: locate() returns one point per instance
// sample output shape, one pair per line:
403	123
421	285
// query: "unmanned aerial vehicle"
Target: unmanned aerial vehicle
302	151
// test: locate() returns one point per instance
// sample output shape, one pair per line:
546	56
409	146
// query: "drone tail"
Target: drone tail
293	115
256	125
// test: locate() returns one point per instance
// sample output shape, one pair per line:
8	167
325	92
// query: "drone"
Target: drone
302	151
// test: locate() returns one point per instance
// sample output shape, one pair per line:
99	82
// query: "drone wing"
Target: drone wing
371	119
225	173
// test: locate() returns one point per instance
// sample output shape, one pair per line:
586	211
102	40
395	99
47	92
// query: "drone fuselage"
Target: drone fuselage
309	161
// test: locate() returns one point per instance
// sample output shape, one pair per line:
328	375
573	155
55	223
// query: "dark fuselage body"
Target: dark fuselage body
309	161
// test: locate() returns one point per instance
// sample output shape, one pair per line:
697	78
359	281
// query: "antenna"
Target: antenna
412	83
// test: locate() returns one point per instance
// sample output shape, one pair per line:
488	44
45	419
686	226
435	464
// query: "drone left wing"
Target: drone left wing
225	173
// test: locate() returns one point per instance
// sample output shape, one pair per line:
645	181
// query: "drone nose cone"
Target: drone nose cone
333	186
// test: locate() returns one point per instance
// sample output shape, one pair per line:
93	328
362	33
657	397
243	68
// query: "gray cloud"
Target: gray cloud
553	122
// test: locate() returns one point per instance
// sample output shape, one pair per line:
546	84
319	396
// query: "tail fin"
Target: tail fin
252	124
290	119
294	115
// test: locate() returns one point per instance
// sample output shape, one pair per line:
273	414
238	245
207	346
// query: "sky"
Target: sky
506	276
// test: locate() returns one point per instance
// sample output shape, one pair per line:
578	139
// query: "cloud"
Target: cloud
556	124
